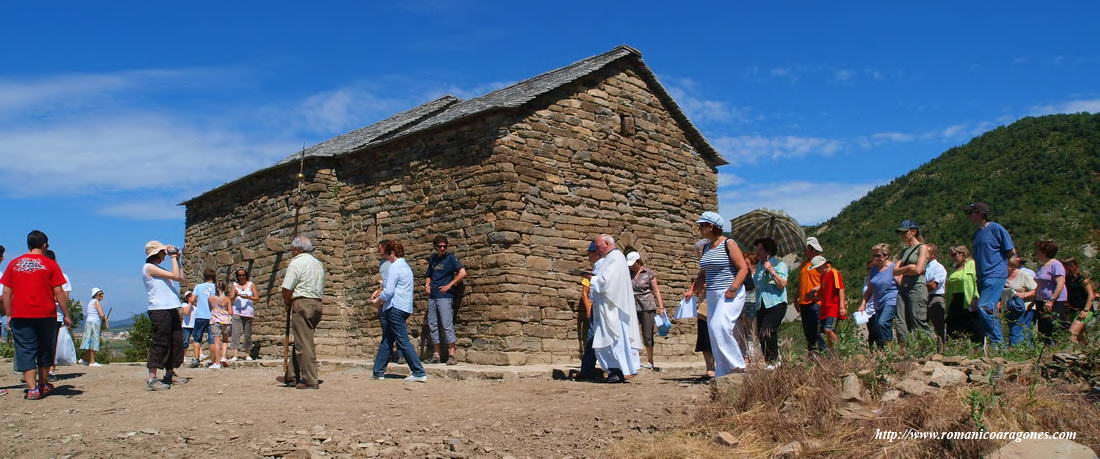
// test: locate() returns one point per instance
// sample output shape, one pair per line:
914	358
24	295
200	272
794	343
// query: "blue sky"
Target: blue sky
112	113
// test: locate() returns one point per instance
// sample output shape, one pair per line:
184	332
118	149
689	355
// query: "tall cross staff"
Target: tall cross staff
298	202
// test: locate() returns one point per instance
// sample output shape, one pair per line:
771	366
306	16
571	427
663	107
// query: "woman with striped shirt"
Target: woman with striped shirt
723	270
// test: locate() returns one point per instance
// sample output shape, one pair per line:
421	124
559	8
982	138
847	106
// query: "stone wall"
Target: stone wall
601	155
519	195
251	225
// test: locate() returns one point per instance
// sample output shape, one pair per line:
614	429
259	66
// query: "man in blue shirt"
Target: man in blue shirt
444	272
992	249
201	314
397	300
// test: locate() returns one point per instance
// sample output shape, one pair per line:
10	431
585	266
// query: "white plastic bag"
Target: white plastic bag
66	351
687	309
861	317
663	324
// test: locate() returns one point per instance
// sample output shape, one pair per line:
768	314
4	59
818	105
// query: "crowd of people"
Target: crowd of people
745	296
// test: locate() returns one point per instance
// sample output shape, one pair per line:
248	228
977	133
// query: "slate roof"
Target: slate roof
449	109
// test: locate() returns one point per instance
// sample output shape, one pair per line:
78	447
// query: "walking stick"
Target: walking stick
297	201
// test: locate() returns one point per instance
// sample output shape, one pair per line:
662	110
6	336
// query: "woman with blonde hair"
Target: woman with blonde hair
962	296
883	288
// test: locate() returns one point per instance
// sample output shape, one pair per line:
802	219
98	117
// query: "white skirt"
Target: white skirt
722	314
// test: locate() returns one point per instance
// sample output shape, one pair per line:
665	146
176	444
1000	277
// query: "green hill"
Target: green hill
1040	175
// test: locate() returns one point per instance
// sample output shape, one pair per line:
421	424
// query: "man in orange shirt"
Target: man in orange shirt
809	283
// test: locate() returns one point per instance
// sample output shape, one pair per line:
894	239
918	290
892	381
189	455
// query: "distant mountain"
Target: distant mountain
122	324
1040	175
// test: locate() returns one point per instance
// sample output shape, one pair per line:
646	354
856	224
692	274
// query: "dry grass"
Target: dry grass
799	401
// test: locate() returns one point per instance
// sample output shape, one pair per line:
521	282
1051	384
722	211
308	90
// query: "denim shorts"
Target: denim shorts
35	340
828	323
201	326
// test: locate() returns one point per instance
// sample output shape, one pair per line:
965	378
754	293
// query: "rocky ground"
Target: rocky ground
241	412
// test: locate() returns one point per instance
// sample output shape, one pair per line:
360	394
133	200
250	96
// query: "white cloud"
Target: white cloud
893	137
152	209
347	108
73	89
726	179
1073	106
808	202
752	148
780	72
844	75
132	151
698	109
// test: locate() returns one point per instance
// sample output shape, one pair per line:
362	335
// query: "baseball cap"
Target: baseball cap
592	246
907	225
817	261
812	242
978	206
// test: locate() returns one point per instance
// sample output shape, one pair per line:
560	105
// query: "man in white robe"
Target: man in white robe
617	339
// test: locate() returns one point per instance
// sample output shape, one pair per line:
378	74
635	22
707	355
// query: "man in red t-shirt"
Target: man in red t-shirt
32	285
831	298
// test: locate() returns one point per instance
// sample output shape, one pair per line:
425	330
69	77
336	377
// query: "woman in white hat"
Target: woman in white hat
164	312
92	322
723	270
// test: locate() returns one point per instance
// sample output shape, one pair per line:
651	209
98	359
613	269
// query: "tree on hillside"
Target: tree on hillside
1041	176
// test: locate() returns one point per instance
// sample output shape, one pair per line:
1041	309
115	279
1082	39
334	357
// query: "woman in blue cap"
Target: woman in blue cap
723	270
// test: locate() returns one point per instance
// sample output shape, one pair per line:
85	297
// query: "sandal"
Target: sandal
33	394
45	389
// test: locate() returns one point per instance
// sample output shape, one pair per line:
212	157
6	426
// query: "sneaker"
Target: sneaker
80	362
33	394
234	359
203	356
378	378
222	360
155	385
286	381
452	361
216	366
95	364
45	389
175	380
648	366
194	363
434	359
412	378
3	392
248	358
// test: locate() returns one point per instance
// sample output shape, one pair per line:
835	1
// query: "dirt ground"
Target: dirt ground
241	412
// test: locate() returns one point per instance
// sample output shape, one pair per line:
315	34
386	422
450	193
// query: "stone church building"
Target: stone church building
519	179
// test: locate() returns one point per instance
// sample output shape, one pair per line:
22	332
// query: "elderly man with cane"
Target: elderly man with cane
302	288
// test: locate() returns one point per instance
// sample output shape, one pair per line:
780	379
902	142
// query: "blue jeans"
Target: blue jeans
588	360
1019	326
810	324
395	332
989	292
884	322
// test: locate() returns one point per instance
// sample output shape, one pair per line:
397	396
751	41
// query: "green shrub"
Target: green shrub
141	338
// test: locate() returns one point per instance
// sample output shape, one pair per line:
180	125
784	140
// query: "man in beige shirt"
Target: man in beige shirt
302	288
